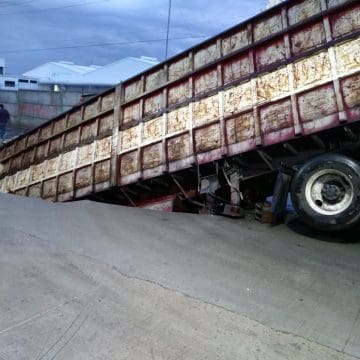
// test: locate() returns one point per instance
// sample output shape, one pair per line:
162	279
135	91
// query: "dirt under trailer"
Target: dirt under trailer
269	106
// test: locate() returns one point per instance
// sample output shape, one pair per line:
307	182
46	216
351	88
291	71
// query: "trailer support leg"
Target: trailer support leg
235	195
233	209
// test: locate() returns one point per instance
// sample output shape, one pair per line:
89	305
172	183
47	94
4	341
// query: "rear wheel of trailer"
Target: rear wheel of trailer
325	192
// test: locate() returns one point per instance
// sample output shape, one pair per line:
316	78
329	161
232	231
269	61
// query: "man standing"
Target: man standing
4	119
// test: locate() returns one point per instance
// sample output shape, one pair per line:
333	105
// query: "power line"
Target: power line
54	8
145	28
102	44
9	3
15	3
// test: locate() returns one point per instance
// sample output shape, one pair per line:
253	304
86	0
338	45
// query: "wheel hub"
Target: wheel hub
329	192
332	193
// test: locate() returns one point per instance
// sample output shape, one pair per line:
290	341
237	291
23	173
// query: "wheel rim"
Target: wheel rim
329	192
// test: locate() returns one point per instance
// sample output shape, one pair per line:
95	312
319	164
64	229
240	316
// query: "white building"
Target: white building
57	72
10	82
117	71
15	83
2	66
67	76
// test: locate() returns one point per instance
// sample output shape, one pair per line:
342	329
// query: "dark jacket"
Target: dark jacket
4	116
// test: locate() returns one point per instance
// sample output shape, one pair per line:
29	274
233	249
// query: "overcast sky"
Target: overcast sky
38	31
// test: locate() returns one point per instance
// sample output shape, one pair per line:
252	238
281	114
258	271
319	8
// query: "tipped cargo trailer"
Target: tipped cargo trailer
270	105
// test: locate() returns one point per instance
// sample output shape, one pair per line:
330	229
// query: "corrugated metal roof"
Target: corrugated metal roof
57	70
63	72
117	71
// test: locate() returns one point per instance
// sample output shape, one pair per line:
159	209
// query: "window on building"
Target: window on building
23	81
33	82
9	83
1	70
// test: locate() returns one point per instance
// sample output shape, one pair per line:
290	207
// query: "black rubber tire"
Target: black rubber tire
336	222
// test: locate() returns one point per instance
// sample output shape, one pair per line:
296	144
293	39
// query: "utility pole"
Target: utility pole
167	31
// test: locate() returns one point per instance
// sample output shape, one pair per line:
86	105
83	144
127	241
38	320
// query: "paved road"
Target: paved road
87	280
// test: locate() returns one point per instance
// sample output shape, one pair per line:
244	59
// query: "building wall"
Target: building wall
30	108
14	83
2	66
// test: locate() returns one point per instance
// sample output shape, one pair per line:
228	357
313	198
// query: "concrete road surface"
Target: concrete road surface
94	281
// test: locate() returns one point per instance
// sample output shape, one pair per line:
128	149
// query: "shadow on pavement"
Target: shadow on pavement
347	236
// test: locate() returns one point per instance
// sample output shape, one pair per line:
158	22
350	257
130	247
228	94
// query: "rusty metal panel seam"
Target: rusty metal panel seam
115	134
295	111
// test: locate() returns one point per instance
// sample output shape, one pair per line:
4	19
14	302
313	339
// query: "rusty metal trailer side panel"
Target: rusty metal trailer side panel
68	157
303	79
293	70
